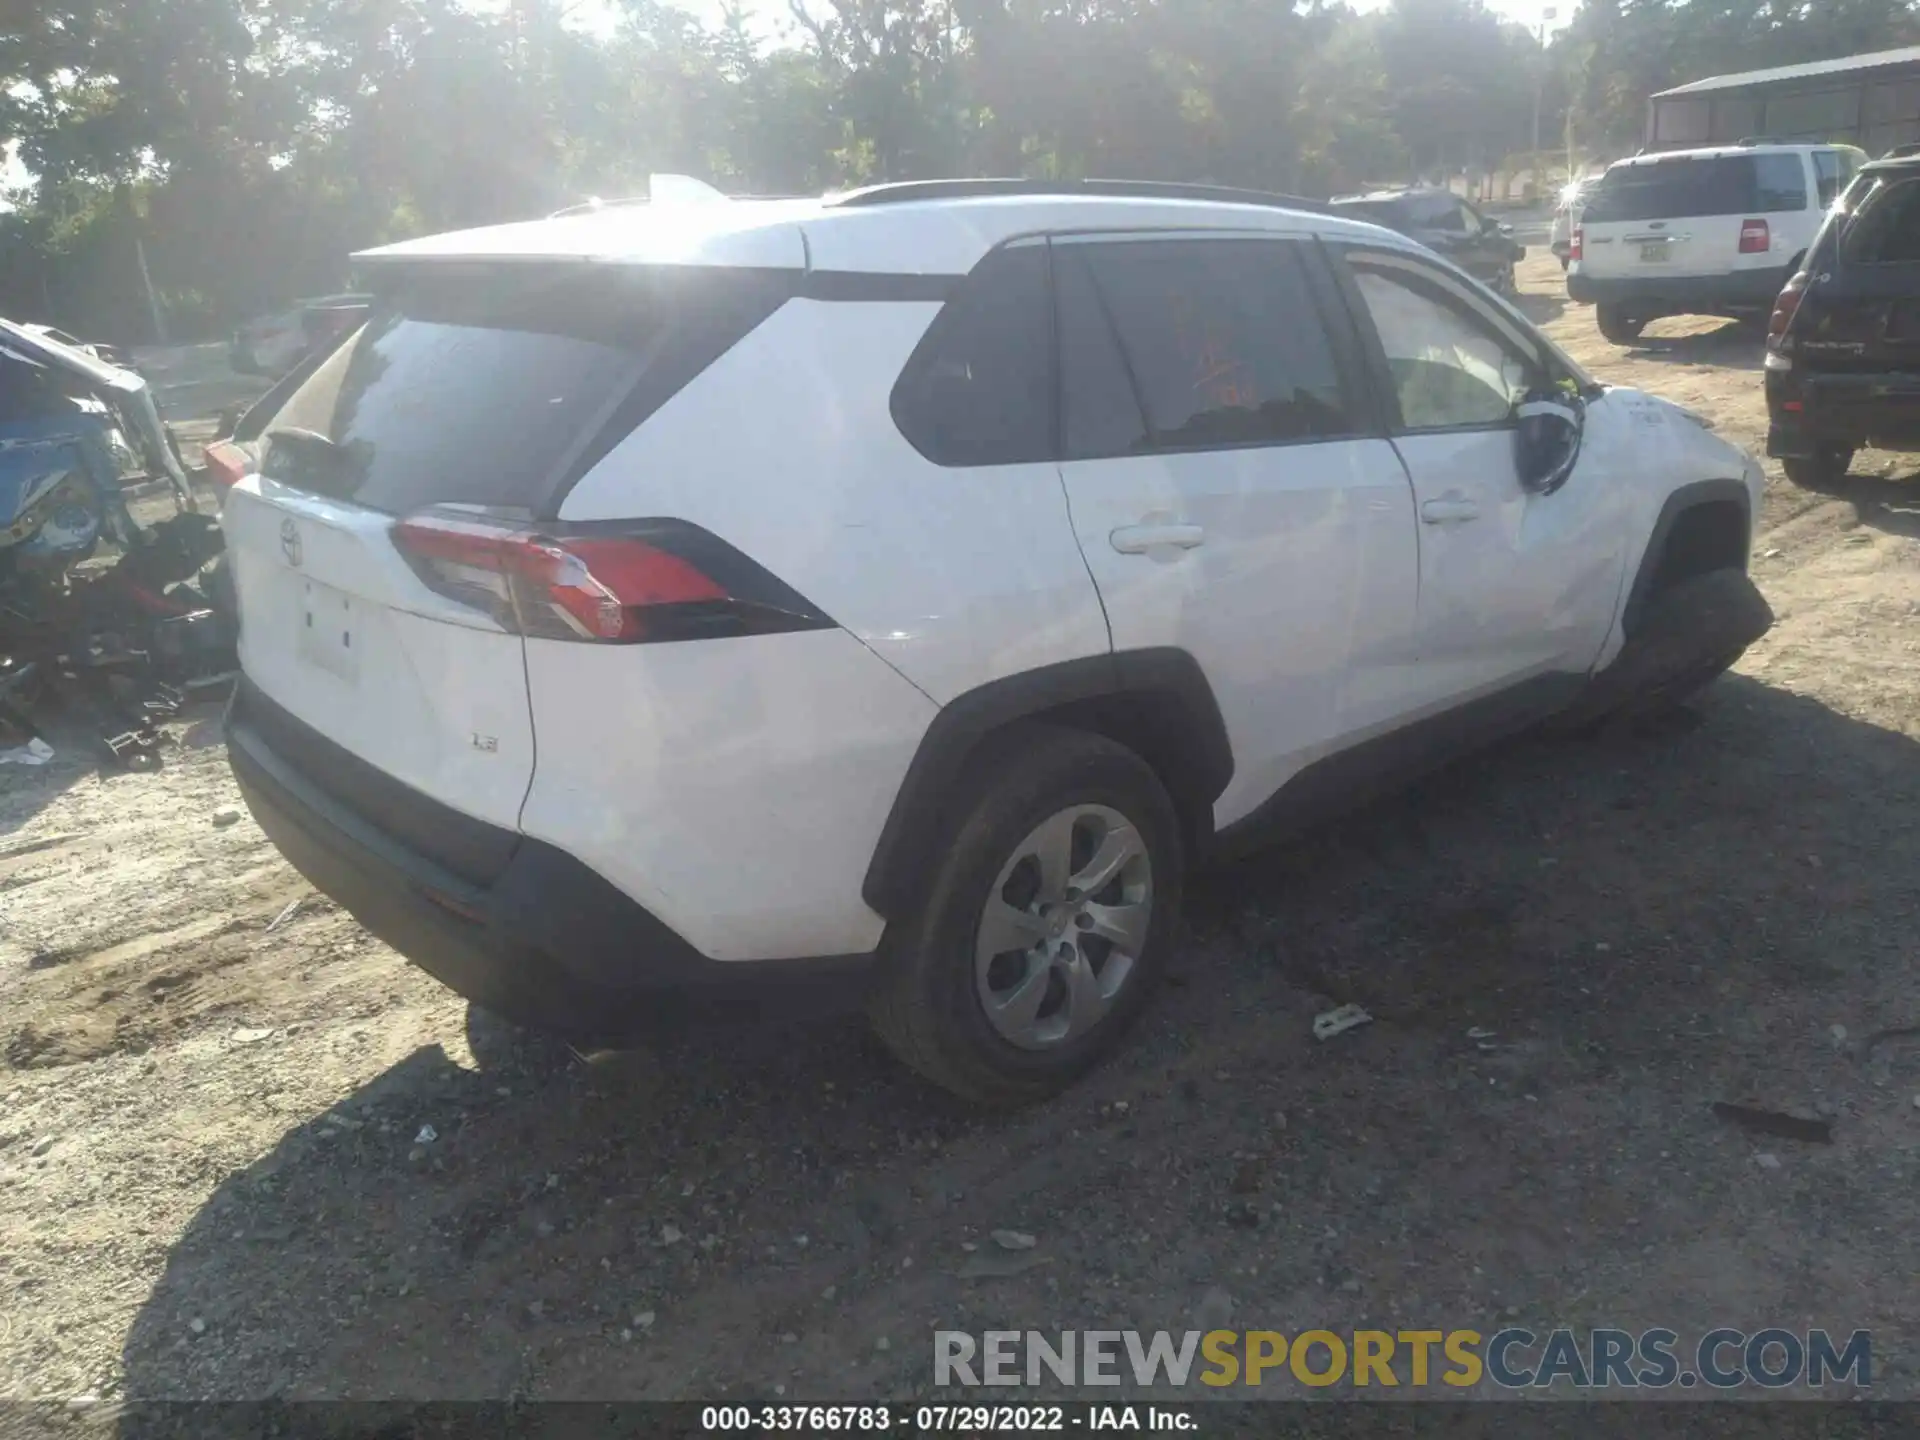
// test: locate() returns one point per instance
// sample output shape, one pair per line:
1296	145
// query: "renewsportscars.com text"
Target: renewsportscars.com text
1513	1358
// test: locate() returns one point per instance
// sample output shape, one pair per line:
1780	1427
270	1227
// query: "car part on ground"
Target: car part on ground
116	636
837	705
1843	345
1700	232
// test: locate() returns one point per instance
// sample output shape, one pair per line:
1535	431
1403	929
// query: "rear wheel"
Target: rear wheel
1822	470
1618	326
1047	926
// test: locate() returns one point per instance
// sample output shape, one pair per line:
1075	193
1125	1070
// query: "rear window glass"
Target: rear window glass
1887	231
1223	341
978	389
1708	185
491	386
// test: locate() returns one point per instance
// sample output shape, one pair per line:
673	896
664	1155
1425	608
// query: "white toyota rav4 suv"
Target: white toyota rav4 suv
1701	232
759	607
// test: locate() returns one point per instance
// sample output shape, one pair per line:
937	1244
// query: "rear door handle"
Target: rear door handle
1449	510
1138	539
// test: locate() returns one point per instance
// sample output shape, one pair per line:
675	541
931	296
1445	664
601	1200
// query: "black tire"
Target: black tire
1691	634
1823	470
929	1010
1618	326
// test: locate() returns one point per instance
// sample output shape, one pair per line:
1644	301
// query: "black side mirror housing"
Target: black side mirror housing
1550	425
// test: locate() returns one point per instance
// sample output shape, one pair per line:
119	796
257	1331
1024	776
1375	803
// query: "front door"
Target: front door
1517	590
1231	486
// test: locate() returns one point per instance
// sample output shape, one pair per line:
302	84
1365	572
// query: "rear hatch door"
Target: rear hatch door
1687	216
1863	311
469	386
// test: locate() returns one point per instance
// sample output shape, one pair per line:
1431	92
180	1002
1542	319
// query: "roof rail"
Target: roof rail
1748	140
1901	152
905	191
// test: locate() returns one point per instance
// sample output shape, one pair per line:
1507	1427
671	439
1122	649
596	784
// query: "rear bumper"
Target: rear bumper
1851	411
545	942
1652	296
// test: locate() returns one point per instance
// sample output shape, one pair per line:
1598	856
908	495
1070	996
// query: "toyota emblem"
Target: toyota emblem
290	541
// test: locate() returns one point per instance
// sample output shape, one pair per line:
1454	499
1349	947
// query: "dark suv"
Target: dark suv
1843	348
1447	225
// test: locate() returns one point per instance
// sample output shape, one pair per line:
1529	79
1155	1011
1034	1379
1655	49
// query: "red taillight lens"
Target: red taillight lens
228	463
1755	238
1786	307
1579	247
650	582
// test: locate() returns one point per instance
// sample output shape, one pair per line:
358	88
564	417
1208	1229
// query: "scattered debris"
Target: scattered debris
1338	1022
1775	1122
671	1235
1014	1240
1770	554
544	1229
249	1036
537	1309
1839	1034
1479	1032
883	1344
35	752
829	1293
197	1325
999	1267
286	914
44	1144
643	1320
426	1136
223	818
1766	1161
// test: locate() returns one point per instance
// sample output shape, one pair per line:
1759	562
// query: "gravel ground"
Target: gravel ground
242	1158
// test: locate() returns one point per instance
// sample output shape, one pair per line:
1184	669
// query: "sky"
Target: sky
772	18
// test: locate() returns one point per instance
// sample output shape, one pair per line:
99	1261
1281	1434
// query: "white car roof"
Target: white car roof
1715	152
931	235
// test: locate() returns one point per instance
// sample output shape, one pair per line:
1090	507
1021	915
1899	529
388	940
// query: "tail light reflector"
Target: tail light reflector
622	584
1785	308
1755	238
1579	246
228	463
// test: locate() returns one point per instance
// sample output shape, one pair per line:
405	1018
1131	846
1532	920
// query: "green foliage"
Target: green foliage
251	145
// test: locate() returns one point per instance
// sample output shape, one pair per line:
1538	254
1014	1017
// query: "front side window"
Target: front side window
978	390
1448	370
1222	340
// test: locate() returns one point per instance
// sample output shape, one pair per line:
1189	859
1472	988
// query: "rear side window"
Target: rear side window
978	389
1708	185
1887	231
495	385
1826	164
1223	341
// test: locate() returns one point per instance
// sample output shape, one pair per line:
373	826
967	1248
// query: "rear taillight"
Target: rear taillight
1785	308
620	583
1755	238
1579	246
228	463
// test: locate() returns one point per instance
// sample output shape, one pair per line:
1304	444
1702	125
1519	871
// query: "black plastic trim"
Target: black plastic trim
910	191
867	286
1687	497
909	845
547	942
1349	779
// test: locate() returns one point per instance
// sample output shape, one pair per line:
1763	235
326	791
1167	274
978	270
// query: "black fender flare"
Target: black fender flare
1687	497
1168	681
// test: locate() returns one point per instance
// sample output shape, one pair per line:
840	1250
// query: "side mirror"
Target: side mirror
1546	442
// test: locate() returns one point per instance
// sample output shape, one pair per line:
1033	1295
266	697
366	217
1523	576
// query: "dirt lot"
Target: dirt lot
215	1181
